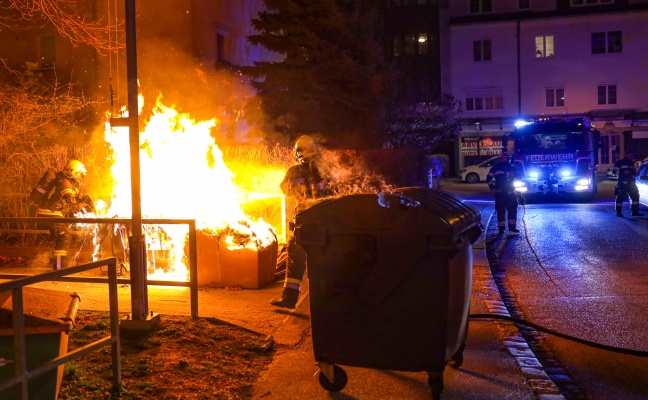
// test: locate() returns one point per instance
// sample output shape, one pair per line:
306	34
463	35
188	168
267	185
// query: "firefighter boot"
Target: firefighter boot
288	299
635	211
618	211
513	229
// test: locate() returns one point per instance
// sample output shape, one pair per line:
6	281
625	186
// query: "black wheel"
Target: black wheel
436	385
472	178
340	380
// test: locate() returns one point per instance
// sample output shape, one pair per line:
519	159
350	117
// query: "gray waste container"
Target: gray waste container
390	281
49	318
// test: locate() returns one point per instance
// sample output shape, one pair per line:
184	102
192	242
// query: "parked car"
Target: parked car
611	175
477	173
642	181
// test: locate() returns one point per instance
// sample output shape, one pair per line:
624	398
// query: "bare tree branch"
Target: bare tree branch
66	17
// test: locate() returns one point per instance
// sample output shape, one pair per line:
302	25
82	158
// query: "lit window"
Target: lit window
555	97
607	94
607	42
482	50
544	46
423	43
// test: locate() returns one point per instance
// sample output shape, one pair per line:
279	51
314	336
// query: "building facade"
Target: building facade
508	60
213	33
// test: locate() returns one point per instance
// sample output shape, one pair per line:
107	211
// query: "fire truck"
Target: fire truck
556	157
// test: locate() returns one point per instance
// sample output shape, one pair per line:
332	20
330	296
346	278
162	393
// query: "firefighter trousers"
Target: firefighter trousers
623	193
506	203
295	265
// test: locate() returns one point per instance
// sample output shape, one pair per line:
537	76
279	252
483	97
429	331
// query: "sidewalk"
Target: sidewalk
489	370
497	362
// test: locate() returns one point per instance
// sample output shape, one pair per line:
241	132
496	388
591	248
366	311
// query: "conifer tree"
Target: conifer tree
333	79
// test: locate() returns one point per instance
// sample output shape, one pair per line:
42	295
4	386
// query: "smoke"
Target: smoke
352	175
197	88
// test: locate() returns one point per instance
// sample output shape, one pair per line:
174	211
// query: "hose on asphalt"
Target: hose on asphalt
619	350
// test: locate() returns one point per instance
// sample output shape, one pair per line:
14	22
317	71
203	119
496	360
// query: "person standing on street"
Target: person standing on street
63	199
626	185
500	180
307	181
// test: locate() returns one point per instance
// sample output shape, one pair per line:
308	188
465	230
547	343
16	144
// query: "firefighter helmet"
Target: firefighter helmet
74	169
305	147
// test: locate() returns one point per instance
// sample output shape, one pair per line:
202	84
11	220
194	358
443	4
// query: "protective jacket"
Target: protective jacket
501	177
66	199
626	172
308	180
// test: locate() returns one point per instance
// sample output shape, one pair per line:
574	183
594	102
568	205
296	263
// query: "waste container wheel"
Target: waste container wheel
436	384
340	379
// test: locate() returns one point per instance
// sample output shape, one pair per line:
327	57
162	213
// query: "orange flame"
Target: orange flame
183	176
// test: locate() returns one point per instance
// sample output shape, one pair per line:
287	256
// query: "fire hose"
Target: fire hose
601	346
620	350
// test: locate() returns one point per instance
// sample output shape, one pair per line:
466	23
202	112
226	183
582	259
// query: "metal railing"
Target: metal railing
21	374
193	254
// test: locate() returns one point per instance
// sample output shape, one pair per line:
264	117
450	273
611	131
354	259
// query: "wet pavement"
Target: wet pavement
497	364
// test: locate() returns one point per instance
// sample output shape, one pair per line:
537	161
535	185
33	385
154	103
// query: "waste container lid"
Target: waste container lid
439	213
46	311
443	206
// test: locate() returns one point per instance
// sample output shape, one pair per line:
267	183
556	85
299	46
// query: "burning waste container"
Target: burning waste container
390	281
49	318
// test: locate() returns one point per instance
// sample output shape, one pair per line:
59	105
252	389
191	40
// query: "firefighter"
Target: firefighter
500	180
307	182
626	185
63	199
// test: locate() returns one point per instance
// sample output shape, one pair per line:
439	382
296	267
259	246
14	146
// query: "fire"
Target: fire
183	176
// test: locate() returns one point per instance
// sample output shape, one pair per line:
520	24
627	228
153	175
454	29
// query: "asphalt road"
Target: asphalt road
579	270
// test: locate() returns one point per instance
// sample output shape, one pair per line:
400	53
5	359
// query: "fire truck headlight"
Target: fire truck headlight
519	185
582	182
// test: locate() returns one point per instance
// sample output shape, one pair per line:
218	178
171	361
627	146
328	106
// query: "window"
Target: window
484	99
481	6
398	46
544	46
607	94
222	46
47	52
577	3
410	44
607	42
482	50
423	43
524	4
555	97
